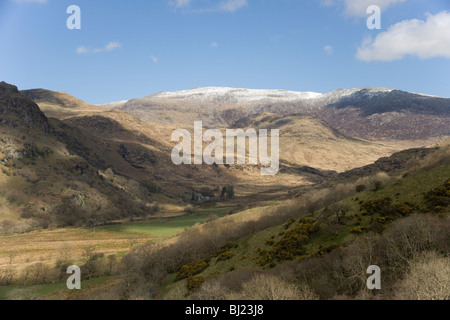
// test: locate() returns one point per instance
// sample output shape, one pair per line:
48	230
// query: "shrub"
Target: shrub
192	269
210	290
269	287
427	278
226	255
408	238
377	206
194	283
358	230
226	247
384	207
438	199
402	209
189	209
291	245
288	224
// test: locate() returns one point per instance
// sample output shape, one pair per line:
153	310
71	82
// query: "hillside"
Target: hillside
312	142
44	179
59	104
17	111
321	238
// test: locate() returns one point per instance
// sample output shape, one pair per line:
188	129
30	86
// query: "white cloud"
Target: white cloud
82	50
422	39
214	45
30	1
328	49
223	6
154	59
327	3
113	45
180	3
233	5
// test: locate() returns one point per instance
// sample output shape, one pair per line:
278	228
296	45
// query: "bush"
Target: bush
189	209
269	287
377	206
358	230
7	276
292	243
192	269
384	207
194	283
408	238
428	278
227	192
226	255
210	290
438	199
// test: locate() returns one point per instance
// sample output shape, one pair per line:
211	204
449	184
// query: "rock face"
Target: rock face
17	110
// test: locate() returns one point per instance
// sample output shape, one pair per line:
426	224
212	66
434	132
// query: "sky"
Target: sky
131	49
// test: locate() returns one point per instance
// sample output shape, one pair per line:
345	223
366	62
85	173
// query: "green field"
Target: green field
162	228
43	291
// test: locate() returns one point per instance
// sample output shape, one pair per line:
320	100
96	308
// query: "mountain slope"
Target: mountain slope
310	141
45	180
59	104
367	113
319	235
15	110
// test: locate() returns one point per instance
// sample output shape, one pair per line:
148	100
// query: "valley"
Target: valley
96	186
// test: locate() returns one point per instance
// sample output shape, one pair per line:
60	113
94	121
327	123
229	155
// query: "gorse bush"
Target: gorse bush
192	269
386	209
377	206
194	283
292	243
438	199
226	255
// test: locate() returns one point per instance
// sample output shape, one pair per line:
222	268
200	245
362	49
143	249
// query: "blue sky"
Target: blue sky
130	49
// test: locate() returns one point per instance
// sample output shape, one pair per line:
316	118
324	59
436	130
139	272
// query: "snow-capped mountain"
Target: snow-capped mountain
236	95
369	113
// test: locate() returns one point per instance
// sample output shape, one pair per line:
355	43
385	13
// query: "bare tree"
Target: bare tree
428	278
65	251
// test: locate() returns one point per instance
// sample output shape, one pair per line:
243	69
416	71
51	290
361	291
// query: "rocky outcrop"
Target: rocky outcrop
17	110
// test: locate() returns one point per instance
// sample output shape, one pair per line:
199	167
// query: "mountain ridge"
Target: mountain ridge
371	113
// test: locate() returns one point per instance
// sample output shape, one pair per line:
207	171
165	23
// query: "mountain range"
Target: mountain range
55	147
366	113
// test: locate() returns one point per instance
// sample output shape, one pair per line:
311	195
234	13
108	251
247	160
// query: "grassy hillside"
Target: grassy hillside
329	229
